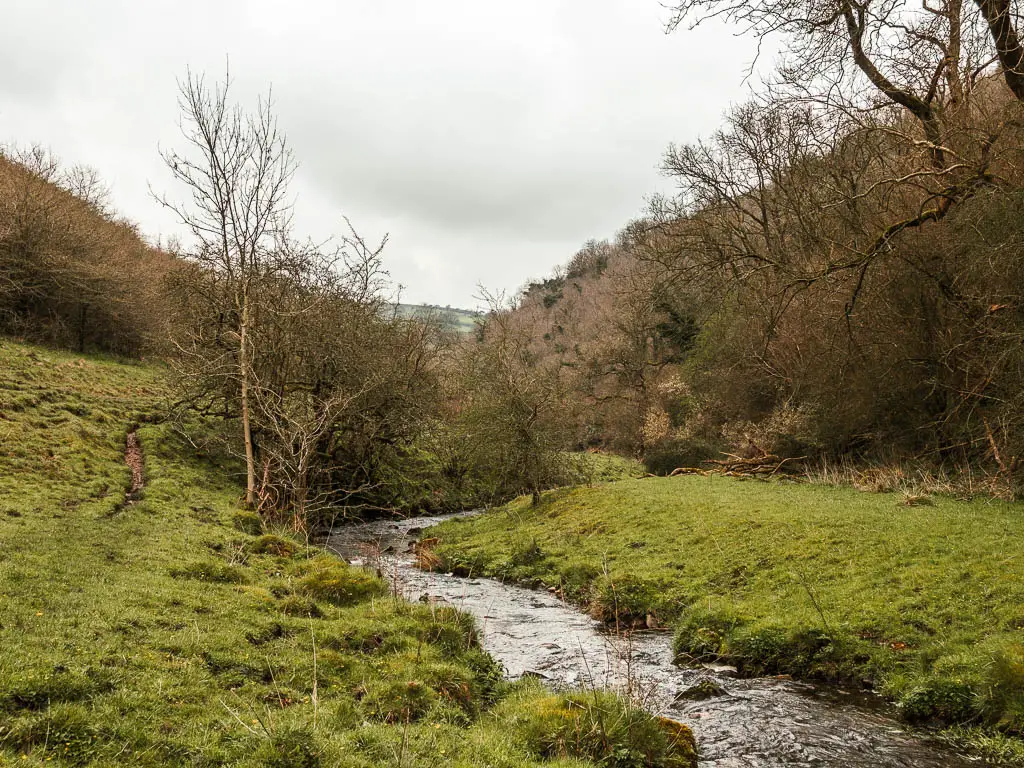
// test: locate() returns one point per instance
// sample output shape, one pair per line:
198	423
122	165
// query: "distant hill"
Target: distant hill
462	320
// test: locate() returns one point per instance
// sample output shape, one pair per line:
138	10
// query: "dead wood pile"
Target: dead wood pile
765	466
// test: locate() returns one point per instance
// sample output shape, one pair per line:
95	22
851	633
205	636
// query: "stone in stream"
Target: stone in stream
722	670
702	691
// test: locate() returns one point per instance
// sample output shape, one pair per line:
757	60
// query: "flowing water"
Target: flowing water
755	722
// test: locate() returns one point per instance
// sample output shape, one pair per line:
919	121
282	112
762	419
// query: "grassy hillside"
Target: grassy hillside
924	602
173	631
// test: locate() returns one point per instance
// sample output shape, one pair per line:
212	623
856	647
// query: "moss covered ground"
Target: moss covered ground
176	631
923	602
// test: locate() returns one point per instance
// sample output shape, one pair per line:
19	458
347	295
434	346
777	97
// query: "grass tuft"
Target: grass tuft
271	544
209	570
331	580
597	726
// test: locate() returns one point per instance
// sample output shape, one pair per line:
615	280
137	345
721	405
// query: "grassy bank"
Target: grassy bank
924	602
173	631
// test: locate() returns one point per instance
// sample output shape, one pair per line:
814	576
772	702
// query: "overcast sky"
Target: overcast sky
489	139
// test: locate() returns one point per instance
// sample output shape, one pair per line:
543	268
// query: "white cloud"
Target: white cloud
490	139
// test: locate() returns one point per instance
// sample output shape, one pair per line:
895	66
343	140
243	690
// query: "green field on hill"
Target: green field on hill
461	320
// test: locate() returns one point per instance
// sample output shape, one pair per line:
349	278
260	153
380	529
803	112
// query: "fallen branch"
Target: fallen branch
764	466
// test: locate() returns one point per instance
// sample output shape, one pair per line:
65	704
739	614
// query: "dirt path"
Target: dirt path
136	463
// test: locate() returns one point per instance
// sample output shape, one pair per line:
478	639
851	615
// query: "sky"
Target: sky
488	140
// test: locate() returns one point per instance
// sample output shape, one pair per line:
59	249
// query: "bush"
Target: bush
598	726
338	583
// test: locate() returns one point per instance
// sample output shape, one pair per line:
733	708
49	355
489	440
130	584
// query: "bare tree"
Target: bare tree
515	411
236	168
915	79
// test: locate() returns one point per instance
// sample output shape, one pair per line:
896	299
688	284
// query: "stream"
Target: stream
751	722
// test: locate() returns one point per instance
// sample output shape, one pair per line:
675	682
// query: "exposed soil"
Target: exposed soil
136	463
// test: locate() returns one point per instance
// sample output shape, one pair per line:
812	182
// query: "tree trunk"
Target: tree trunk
302	487
243	363
954	12
81	326
1009	49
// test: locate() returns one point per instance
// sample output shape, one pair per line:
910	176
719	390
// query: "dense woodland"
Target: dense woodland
72	273
838	279
839	275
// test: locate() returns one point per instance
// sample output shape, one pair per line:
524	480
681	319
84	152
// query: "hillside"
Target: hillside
461	320
165	628
72	273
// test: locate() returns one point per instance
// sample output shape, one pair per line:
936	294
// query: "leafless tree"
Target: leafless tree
910	83
235	170
514	408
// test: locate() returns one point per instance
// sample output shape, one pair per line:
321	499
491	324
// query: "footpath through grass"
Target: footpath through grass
923	602
173	631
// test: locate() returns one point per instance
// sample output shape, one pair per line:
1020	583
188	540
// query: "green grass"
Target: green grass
596	467
924	602
174	631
